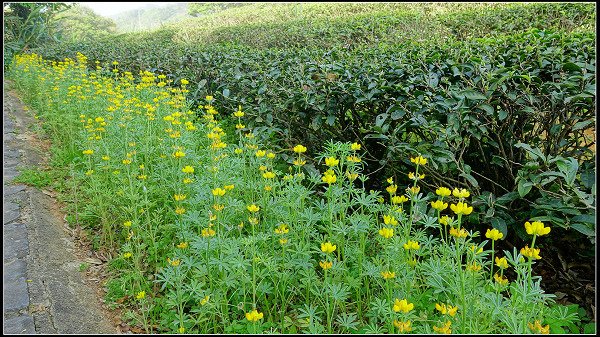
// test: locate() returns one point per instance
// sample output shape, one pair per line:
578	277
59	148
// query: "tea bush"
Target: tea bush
210	231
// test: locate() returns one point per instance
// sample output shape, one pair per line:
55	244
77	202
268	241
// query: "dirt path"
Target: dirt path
44	289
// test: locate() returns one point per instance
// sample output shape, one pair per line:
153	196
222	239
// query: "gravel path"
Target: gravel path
44	290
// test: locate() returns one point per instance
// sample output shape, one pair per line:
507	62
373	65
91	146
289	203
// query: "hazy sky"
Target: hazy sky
112	8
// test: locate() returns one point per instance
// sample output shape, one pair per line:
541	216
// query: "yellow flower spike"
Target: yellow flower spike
390	180
331	161
494	234
218	207
268	175
184	81
205	300
538	328
386	232
127	255
140	295
452	310
502	263
391	189
327	247
533	253
399	199
414	245
536	228
325	264
282	229
218	192
299	149
127	224
412	176
206	232
414	190
182	245
260	153
441	308
283	241
353	159
445	329
179	154
187	180
351	176
329	178
88	152
253	208
179	210
443	192
500	279
254	315
462	233
461	208
403	305
390	220
403	326
474	267
270	155
187	169
388	274
439	205
355	146
419	160
238	151
445	220
462	193
229	187
262	168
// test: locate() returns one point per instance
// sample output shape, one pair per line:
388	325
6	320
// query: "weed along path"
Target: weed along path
44	289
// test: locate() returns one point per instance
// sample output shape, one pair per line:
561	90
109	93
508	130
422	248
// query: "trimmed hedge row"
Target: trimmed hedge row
505	113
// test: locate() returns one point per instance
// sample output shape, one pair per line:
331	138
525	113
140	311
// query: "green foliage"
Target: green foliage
206	8
80	23
33	177
466	103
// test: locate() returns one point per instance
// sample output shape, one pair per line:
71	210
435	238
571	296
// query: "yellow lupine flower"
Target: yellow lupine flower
229	187
445	329
261	153
502	263
268	175
414	189
390	220
88	152
270	155
462	193
218	207
439	205
187	169
174	263
403	305
462	233
182	245
299	148
500	279
390	180
282	229
391	189
445	220
414	245
327	247
443	192
208	232
461	208
238	151
388	274
386	232
254	315
205	300
283	241
533	253
331	161
403	326
441	308
140	295
419	160
538	328
184	81
253	208
127	224
354	159
355	146
412	176
536	228
493	234
399	199
474	267
329	178
179	210
351	176
179	154
127	255
105	158
218	192
325	264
